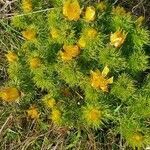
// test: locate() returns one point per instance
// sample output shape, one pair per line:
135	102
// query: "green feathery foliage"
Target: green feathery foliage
66	63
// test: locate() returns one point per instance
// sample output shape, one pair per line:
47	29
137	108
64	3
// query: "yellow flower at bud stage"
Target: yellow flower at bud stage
29	34
33	113
88	34
27	6
118	11
11	56
101	6
71	10
82	42
10	94
92	115
35	62
69	52
99	79
136	139
49	102
117	38
56	116
54	33
90	14
91	33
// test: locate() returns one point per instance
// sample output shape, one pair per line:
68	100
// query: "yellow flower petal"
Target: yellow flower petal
110	80
105	71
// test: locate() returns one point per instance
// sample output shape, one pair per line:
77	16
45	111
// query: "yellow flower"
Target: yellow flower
56	116
117	38
33	113
101	6
29	34
70	52
90	14
71	9
54	33
92	115
91	33
50	102
27	6
35	62
99	80
136	140
10	94
11	56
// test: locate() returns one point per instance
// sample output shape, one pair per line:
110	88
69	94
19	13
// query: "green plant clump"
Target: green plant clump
80	66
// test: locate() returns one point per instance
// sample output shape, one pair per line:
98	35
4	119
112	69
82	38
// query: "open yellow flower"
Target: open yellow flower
56	116
35	62
71	10
70	52
29	34
11	56
90	14
99	80
27	6
117	38
33	113
10	94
